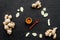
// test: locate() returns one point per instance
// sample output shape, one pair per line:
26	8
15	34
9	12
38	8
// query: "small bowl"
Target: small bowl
28	20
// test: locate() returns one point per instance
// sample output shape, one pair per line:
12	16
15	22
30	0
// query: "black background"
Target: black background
11	6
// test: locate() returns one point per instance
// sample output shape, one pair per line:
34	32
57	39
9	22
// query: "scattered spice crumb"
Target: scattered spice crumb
18	10
44	9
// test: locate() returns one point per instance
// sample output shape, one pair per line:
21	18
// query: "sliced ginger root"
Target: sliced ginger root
36	4
51	32
8	24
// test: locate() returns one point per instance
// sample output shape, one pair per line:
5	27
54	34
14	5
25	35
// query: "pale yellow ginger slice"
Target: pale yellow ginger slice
48	22
45	14
40	36
27	34
17	14
21	9
34	34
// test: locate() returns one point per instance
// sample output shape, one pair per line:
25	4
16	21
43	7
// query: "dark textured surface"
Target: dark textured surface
10	7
